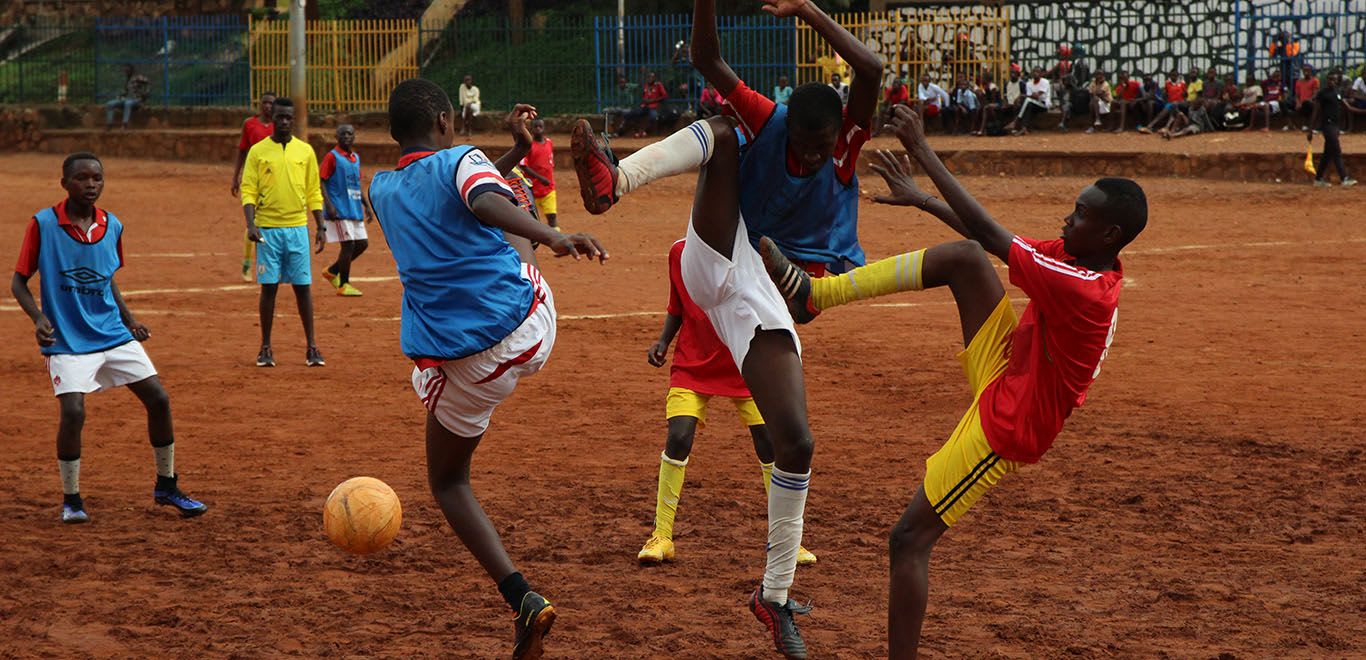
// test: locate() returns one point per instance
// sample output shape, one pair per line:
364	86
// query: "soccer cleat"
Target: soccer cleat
534	619
167	493
73	510
332	278
596	168
314	357
1349	182
787	640
1320	183
657	550
793	283
805	557
265	358
348	290
246	270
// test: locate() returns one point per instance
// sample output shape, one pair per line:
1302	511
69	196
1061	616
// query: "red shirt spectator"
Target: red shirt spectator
1129	90
897	94
1272	90
1176	91
253	131
653	95
541	160
1306	88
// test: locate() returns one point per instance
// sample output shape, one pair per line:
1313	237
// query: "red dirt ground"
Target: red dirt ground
1207	502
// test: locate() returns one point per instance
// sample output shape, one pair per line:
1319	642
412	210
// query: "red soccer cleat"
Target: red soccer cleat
596	167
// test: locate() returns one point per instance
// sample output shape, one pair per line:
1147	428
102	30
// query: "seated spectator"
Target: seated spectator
895	94
620	101
930	98
1101	98
1069	80
962	110
469	104
1038	98
1128	94
1273	95
710	103
1225	113
1174	90
1183	125
1356	97
1250	102
135	88
1306	88
1015	89
1151	99
837	83
652	96
993	102
782	91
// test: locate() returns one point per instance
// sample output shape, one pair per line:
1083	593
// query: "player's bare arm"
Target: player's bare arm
705	49
866	64
140	331
237	173
319	236
979	224
42	328
903	191
516	123
498	211
253	232
659	352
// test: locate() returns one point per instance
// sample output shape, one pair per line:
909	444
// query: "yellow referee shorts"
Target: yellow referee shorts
964	469
683	402
547	205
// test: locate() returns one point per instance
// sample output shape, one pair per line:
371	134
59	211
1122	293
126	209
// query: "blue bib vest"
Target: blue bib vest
463	289
343	187
75	282
811	218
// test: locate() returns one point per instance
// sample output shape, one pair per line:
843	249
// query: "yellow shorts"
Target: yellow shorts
682	402
547	205
963	469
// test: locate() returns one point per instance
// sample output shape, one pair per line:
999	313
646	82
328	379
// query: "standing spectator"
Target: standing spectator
930	98
1128	93
280	189
1101	98
1273	95
895	94
1328	107
710	103
652	96
1285	52
469	105
1174	89
782	91
135	88
992	101
962	108
254	129
346	209
539	166
837	83
1038	98
1070	80
1306	90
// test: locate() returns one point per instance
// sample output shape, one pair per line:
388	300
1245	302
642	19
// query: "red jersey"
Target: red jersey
1056	351
891	96
1129	91
1272	91
254	131
28	251
1306	89
653	95
754	109
541	160
1176	91
701	362
328	166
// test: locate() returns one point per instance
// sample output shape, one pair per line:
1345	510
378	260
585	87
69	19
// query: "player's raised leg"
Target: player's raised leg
603	179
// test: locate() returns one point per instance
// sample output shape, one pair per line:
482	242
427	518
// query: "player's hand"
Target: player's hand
897	173
45	333
320	239
783	8
254	234
907	125
236	186
577	245
657	353
140	331
518	120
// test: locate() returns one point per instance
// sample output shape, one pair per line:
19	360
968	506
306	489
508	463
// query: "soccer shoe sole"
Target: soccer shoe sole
582	148
539	629
768	618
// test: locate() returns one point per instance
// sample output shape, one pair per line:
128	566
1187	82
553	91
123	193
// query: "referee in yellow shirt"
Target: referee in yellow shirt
280	189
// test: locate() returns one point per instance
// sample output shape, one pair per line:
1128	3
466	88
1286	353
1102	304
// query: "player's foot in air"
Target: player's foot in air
596	167
781	627
793	283
314	357
266	358
534	619
348	291
657	550
73	510
168	494
805	557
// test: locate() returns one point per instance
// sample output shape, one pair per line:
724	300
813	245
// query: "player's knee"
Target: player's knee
678	444
358	247
909	539
157	400
797	447
723	133
73	412
969	253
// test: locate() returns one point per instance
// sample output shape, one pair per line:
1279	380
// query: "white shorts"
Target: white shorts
1274	105
92	372
473	109
736	294
345	230
463	393
1103	107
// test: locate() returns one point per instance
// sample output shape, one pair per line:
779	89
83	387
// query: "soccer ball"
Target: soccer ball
362	515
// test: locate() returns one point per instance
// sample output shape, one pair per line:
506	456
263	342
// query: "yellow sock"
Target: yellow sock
768	475
893	274
666	499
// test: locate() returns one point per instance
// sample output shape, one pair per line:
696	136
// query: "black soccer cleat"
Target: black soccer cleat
793	283
167	493
534	619
787	640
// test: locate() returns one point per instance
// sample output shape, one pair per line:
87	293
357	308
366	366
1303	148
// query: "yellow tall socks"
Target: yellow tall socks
248	249
893	274
666	499
768	476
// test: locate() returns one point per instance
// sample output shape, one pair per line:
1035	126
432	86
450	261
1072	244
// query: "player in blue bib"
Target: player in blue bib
345	208
477	315
89	338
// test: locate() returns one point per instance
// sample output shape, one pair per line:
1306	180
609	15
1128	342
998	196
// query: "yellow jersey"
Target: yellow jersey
281	180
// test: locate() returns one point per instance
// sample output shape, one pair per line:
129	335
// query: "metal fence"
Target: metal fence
196	60
946	43
36	57
352	65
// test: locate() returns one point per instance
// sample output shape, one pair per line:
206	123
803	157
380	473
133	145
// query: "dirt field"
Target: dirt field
1207	502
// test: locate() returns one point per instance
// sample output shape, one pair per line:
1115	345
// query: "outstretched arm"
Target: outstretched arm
977	223
498	211
866	64
706	49
903	192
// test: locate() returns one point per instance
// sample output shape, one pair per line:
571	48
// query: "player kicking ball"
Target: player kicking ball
702	369
89	338
477	315
1026	374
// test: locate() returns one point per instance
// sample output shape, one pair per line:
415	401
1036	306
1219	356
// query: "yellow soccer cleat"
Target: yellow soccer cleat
805	557
332	278
656	551
348	291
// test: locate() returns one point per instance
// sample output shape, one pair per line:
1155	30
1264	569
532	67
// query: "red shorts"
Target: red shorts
931	111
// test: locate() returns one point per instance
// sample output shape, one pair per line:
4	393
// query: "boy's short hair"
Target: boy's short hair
76	158
1125	205
414	107
282	102
270	94
815	106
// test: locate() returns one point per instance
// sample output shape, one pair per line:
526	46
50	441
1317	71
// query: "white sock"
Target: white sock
71	476
685	150
165	460
786	506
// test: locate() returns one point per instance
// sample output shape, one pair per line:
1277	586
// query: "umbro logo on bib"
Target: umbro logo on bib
84	275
